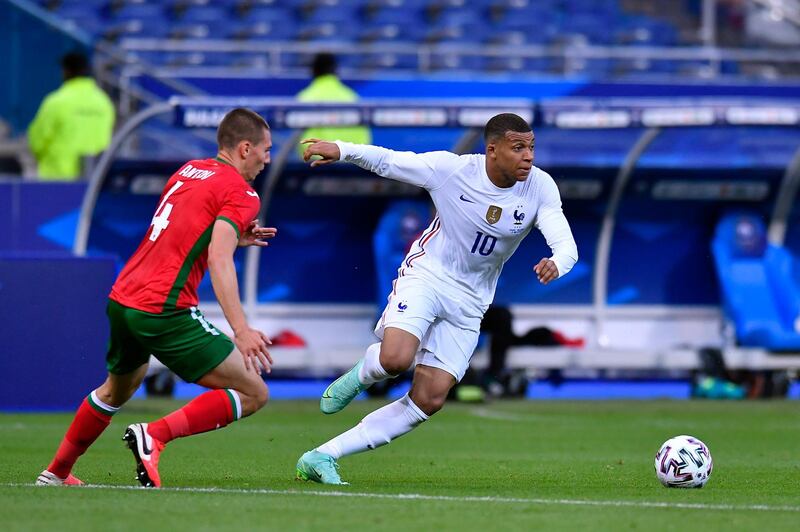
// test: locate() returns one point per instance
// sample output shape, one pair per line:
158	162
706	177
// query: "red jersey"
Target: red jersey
166	268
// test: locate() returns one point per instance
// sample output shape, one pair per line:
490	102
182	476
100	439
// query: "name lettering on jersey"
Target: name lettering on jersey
493	214
195	173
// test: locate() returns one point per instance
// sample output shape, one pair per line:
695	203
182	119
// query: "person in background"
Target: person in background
326	87
73	122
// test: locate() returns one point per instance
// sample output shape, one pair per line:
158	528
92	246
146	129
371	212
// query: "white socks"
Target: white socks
372	371
377	429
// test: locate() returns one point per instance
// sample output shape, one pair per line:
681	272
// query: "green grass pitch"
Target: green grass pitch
503	466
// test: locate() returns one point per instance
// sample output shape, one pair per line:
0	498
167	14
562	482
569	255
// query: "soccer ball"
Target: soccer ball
683	462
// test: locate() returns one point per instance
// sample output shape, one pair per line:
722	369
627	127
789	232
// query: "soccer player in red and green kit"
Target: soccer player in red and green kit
207	209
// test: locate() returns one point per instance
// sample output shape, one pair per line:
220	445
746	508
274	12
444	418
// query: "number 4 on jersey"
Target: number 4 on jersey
160	220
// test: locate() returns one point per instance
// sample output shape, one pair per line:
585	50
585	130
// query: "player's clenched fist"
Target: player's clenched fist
546	271
327	151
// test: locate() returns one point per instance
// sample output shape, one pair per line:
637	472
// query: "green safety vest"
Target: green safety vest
328	88
73	122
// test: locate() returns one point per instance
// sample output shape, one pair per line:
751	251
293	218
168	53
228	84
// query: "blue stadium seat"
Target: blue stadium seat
447	61
327	31
593	68
333	14
468	33
633	30
390	33
457	16
403	16
250	61
269	14
209	14
384	61
155	28
186	59
523	18
759	294
261	30
636	66
140	12
597	28
505	64
190	30
150	58
180	6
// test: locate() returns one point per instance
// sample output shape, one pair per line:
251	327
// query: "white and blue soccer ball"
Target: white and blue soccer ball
683	462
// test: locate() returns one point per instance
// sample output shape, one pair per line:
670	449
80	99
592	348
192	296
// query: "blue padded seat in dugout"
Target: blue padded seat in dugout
759	295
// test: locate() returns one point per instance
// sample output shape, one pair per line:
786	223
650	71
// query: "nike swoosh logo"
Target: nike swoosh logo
462	197
250	193
146	449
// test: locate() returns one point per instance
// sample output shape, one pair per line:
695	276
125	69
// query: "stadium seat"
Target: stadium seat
447	61
139	12
384	61
156	28
467	33
390	33
458	16
209	14
269	14
326	31
403	16
189	30
759	294
343	15
261	30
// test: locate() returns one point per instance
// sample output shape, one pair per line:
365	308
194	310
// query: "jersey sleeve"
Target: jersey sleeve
427	170
552	223
239	207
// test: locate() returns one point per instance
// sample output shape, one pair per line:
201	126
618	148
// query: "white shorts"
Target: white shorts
448	333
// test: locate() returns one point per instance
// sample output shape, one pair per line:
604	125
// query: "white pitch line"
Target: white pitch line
487	413
448	498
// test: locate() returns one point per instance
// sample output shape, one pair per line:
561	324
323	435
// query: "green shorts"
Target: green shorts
182	340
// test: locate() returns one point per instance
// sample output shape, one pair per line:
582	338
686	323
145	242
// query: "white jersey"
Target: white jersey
478	225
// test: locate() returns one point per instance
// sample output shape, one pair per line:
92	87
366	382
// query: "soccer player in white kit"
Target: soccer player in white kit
486	204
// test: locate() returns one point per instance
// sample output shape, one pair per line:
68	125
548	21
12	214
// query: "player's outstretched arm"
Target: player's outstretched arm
327	151
427	170
255	235
251	343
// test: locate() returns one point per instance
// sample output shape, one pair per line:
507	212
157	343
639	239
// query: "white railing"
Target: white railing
574	56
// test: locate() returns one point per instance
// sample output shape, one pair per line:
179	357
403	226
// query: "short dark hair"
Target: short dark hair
75	64
238	125
323	63
497	126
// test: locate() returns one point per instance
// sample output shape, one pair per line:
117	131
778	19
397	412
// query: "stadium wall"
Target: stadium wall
32	44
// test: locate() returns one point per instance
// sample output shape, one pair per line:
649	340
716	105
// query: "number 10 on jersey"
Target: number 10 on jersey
484	244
